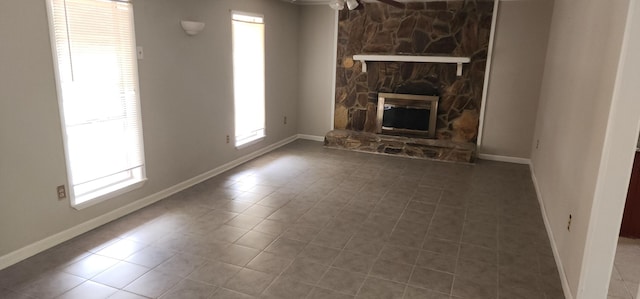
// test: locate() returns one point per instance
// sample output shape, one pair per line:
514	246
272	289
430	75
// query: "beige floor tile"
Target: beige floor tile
354	262
237	255
342	281
255	240
121	249
89	289
319	254
375	288
320	293
190	289
214	273
269	263
120	275
153	284
181	264
150	256
249	282
286	248
91	266
391	271
432	280
436	261
52	285
125	295
229	294
305	271
283	288
336	224
419	293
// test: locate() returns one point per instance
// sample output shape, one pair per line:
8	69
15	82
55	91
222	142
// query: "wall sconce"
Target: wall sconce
192	28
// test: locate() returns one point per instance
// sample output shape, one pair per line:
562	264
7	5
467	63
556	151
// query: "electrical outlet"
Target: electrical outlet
62	192
285	120
537	143
228	139
569	223
140	53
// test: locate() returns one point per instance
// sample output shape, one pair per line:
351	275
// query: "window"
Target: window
248	76
97	78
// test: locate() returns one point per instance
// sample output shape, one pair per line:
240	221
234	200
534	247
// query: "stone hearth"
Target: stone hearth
420	148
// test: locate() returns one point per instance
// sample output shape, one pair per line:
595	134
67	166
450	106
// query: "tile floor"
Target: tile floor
309	222
626	270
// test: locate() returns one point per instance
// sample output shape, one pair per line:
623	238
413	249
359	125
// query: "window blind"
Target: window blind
94	47
248	74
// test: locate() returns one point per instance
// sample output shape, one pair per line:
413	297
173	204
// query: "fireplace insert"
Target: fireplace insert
407	114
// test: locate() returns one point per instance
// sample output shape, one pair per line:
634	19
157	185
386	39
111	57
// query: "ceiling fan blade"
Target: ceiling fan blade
393	3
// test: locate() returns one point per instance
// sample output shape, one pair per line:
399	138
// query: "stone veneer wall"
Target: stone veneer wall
453	28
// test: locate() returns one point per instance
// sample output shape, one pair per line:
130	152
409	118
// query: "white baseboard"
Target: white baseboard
311	137
48	242
53	240
504	159
554	246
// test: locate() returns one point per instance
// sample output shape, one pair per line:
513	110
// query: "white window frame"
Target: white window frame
126	178
260	133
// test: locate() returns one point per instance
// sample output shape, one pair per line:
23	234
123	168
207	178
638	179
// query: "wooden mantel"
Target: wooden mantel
410	58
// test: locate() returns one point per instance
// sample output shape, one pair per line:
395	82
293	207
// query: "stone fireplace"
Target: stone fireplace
438	28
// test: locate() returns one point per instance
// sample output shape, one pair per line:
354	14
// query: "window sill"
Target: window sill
250	143
107	193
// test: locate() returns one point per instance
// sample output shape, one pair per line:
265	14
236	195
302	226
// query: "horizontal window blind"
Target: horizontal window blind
248	76
94	45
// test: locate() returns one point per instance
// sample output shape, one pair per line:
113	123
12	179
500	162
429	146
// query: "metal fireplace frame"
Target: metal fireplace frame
408	101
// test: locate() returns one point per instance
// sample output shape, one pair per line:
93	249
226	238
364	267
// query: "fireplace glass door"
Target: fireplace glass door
409	115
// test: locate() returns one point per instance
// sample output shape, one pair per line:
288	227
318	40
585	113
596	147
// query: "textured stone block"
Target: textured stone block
418	148
457	28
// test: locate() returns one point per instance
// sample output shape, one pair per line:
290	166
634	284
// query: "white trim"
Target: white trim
499	158
615	166
248	14
333	71
112	192
48	242
63	126
109	191
412	58
252	142
310	137
554	247
487	71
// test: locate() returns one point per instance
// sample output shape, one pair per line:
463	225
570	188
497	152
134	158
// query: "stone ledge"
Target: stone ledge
433	149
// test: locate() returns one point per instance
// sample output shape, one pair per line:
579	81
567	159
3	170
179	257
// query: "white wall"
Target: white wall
576	96
317	69
615	166
186	95
519	50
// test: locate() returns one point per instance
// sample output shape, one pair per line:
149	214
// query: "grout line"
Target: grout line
464	222
316	284
498	224
351	238
379	253
174	210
